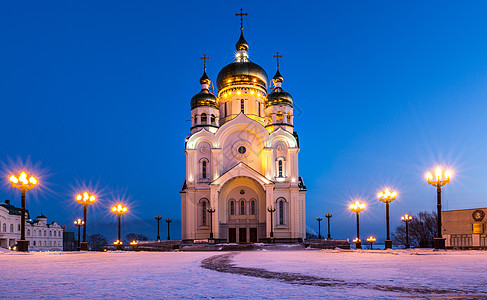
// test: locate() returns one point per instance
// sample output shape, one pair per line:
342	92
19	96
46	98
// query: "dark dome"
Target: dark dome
239	72
279	97
204	98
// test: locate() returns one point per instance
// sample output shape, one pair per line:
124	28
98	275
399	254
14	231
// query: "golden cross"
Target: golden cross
277	56
241	14
204	58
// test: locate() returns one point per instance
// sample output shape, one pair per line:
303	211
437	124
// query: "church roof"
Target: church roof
241	170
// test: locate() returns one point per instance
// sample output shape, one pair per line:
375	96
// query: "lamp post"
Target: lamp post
371	240
387	197
85	200
406	219
357	207
134	244
78	224
168	235
438	183
319	226
158	218
271	210
23	184
119	210
328	216
211	211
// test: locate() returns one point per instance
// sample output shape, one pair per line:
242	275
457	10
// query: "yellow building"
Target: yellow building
465	228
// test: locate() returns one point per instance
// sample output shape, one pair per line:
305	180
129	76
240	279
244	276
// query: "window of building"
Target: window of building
225	109
34	232
258	108
28	231
11	228
213	119
281	212
280	167
34	243
252	207
203	216
45	233
50	233
18	227
242	105
50	243
203	169
4	227
45	243
232	207
54	233
204	118
242	207
279	117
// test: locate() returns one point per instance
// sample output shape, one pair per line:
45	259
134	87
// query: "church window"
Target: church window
242	150
18	227
213	119
50	233
203	169
4	227
280	167
54	233
281	212
11	228
28	231
232	207
279	117
242	207
252	207
204	118
44	243
34	243
225	109
45	233
279	164
242	105
203	206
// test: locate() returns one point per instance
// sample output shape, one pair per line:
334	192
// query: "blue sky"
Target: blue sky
97	94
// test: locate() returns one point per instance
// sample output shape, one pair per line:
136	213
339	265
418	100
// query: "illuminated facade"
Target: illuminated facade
242	158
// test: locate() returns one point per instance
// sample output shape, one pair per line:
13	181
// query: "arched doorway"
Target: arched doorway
242	211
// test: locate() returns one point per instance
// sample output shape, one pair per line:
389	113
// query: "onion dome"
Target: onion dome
242	70
204	97
278	96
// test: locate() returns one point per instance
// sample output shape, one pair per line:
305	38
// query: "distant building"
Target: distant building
69	241
465	228
40	234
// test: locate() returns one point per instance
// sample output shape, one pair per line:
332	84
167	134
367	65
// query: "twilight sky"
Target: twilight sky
97	95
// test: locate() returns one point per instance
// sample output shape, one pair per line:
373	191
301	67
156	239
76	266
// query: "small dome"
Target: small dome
204	98
205	79
239	72
279	97
278	77
41	217
242	43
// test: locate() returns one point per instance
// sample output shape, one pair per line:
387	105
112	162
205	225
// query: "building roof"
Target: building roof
12	210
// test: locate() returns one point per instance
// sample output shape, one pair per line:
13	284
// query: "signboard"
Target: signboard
477	228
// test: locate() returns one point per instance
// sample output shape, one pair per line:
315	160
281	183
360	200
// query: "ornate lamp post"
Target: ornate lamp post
168	235
134	244
371	240
328	216
406	218
271	210
158	218
78	223
319	226
357	207
85	200
22	184
211	211
438	183
387	197
119	210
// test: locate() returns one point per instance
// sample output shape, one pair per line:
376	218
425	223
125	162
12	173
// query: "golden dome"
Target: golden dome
204	97
278	96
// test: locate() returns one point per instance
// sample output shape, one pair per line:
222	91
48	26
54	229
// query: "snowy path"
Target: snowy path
244	275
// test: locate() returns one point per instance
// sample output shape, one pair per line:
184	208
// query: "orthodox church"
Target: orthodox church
242	181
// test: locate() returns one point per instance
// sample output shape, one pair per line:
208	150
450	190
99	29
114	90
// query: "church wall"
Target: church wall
253	156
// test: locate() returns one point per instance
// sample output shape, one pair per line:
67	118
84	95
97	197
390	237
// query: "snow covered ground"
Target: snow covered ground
244	275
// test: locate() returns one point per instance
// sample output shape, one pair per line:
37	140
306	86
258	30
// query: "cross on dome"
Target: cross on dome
241	14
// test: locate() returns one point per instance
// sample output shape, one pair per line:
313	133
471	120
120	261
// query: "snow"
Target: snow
346	274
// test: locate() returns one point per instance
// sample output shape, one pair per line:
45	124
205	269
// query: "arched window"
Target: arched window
28	231
281	212
34	243
213	119
204	118
44	243
242	105
226	109
34	232
242	207
54	233
11	228
232	207
252	207
50	233
258	108
45	234
203	216
279	117
50	243
280	167
4	227
18	227
203	169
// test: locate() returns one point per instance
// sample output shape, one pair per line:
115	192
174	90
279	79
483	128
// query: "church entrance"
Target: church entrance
253	235
232	235
242	235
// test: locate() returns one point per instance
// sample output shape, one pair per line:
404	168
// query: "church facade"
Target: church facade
242	179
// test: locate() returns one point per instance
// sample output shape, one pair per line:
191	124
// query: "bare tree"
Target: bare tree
422	230
135	237
97	242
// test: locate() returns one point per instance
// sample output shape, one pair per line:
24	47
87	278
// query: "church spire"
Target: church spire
277	79
241	43
205	80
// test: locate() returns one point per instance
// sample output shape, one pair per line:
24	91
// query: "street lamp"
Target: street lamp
371	240
406	219
158	218
78	224
387	197
357	207
211	211
271	210
118	243
438	183
119	210
168	235
85	200
23	184
134	244
328	216
319	226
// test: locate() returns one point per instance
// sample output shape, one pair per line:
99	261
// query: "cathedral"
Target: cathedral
242	181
